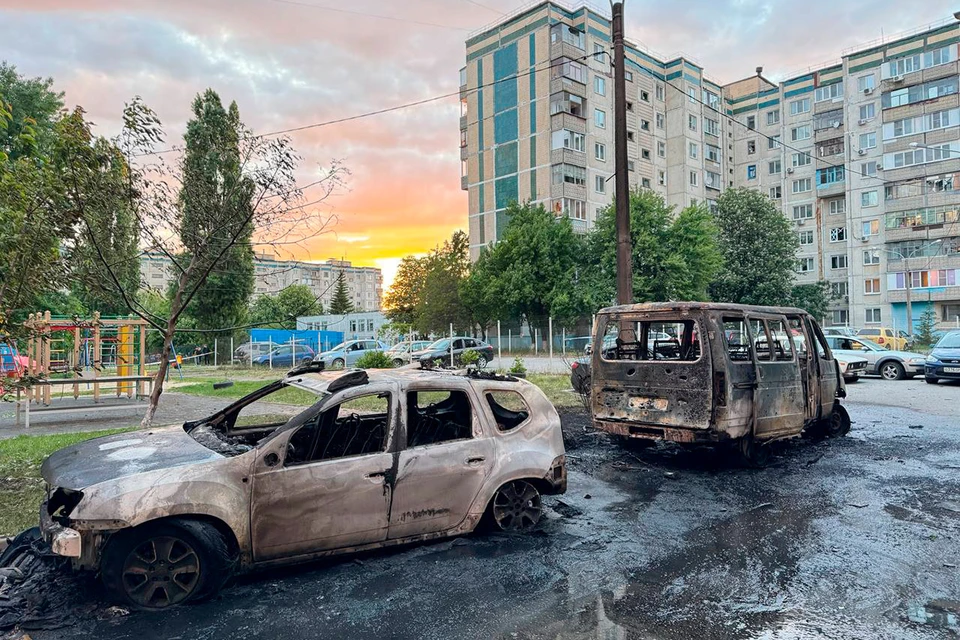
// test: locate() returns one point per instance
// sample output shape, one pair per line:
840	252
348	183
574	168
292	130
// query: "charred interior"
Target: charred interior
638	339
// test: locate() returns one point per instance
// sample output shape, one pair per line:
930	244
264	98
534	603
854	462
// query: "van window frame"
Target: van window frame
697	329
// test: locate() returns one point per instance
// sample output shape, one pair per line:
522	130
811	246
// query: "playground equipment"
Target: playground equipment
12	364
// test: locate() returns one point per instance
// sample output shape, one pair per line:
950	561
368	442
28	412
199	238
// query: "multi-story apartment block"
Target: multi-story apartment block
863	155
271	275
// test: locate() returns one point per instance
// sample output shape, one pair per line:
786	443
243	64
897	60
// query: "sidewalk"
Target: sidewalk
538	364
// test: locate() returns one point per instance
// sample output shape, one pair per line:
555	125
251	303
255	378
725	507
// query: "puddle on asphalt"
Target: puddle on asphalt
939	614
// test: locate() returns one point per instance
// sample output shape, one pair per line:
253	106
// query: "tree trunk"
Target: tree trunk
158	382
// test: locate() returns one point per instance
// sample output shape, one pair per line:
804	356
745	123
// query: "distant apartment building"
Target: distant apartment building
271	275
863	154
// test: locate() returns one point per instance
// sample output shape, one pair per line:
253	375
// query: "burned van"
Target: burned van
696	372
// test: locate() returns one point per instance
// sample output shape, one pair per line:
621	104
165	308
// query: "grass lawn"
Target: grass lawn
21	487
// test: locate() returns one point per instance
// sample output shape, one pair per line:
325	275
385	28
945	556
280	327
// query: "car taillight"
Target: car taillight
575	365
880	340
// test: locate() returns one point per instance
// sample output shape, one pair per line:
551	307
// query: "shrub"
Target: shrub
518	366
374	360
469	357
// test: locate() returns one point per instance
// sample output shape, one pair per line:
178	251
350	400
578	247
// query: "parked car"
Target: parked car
249	351
438	353
347	353
286	356
886	338
943	363
165	516
889	365
400	352
851	367
840	331
737	374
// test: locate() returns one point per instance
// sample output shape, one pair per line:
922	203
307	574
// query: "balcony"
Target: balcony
463	183
463	123
923	294
568	156
568	190
564	120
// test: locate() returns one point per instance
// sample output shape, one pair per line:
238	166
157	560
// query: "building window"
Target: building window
659	91
600	151
773	142
773	117
751	146
662	149
644	95
871	257
830	92
919	156
871	286
566	139
829	176
600	119
630	137
693	150
871	228
805	265
713	153
659	120
838	234
645	183
869	199
838	261
571	70
711	126
713	180
600	184
867	83
776	192
751	122
803	212
567	34
774	166
872	315
868	111
801	159
799	106
831	147
868	169
628	76
645	125
566	102
802	185
569	174
838	289
645	154
598	52
837	206
599	85
662	178
940	56
806	237
868	140
692	122
841	317
920	124
575	209
630	165
920	92
800	133
694	179
751	172
692	92
712	99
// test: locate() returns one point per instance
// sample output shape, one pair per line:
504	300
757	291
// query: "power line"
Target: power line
483	6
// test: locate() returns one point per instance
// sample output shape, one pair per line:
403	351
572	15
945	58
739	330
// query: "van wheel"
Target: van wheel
838	424
162	565
516	506
755	454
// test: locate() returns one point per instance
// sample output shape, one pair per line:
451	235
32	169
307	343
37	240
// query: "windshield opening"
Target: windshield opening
632	339
440	344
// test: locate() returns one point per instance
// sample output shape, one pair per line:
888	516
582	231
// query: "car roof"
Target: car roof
321	382
683	307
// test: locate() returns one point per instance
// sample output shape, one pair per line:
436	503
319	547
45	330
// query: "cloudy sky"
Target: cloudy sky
293	62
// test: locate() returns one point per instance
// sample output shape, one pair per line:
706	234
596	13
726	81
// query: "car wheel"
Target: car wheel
338	363
397	362
755	454
306	361
516	506
156	566
838	424
481	362
932	380
892	370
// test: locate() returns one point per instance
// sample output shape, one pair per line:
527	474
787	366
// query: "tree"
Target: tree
35	111
214	188
444	271
340	304
403	297
813	298
282	310
672	258
926	327
759	248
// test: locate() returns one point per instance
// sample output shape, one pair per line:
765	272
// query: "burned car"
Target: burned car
380	459
734	374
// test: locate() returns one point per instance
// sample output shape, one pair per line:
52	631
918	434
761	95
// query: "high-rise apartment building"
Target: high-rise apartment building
863	155
365	284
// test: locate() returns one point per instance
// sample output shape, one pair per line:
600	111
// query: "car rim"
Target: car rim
161	572
890	372
517	506
481	362
338	364
398	362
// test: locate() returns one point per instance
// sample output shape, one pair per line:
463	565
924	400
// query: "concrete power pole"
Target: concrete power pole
624	274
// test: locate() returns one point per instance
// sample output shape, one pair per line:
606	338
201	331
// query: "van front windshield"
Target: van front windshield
644	339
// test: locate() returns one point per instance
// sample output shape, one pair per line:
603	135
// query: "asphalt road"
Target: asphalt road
857	537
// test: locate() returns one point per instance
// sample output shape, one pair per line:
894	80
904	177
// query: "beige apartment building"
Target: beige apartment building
271	275
862	154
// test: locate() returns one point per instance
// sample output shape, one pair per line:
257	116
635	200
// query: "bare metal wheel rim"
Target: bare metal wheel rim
160	572
890	371
835	427
338	363
517	506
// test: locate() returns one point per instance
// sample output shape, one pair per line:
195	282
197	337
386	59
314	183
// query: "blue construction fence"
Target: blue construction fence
316	340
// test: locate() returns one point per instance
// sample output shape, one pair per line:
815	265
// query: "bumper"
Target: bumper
913	369
938	371
656	432
63	541
557	476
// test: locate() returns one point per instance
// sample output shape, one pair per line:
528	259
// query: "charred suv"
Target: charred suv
714	373
167	515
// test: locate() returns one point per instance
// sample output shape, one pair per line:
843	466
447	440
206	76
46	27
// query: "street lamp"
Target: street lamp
906	279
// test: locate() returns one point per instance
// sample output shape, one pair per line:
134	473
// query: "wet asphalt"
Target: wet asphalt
857	537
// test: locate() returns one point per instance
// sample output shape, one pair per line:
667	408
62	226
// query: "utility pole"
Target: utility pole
622	183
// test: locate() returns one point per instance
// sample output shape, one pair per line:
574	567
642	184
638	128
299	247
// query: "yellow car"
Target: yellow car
887	338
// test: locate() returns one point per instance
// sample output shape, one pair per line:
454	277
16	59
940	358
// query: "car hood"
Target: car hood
331	354
905	355
848	358
124	454
940	354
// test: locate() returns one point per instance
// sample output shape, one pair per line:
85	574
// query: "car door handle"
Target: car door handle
476	460
745	385
376	475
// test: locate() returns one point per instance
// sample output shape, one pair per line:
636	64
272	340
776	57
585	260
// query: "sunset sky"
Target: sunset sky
288	63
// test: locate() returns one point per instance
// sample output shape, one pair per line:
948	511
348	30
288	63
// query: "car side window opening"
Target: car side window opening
270	410
509	409
761	341
434	417
782	344
676	340
737	339
798	336
356	427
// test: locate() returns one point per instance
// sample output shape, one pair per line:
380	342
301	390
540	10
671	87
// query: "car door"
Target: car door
352	352
325	484
780	401
856	347
445	460
803	338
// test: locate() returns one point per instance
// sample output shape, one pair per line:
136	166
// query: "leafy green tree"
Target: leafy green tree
403	297
759	248
35	111
925	327
215	189
813	298
478	296
340	304
444	271
282	310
